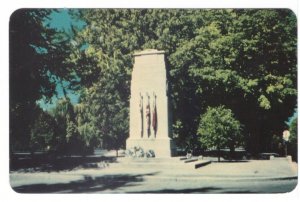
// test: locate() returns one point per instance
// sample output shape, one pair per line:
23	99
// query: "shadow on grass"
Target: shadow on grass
110	183
194	190
239	192
231	161
86	185
181	191
46	163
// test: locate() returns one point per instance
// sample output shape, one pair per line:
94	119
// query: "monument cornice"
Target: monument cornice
149	52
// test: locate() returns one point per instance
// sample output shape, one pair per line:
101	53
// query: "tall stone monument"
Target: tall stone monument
149	106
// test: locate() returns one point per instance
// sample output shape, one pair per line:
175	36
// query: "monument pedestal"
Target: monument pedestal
162	148
149	105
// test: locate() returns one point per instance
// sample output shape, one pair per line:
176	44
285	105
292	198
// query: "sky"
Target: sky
61	20
290	119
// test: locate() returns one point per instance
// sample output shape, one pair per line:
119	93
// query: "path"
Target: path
164	176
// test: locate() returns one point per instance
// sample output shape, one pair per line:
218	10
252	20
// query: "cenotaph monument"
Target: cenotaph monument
150	126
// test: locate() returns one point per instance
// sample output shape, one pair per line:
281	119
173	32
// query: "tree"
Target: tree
25	76
85	126
104	71
219	129
293	140
67	139
57	131
42	132
104	122
244	59
37	63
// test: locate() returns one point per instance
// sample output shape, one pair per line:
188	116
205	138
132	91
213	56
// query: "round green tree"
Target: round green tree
218	129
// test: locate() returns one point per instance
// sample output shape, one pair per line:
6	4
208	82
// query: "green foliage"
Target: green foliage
67	138
264	102
293	140
218	129
37	63
243	59
105	117
86	128
42	132
277	144
104	68
294	130
25	78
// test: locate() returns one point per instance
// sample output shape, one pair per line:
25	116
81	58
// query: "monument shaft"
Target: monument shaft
149	107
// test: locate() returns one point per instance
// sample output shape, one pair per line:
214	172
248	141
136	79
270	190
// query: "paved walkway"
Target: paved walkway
165	176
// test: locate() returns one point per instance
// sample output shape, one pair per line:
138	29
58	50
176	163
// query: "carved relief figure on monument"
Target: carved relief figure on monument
154	116
142	114
148	116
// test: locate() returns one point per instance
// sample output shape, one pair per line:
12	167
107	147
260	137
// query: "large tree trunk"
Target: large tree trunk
219	154
232	156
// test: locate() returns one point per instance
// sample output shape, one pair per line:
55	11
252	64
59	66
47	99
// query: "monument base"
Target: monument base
162	147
